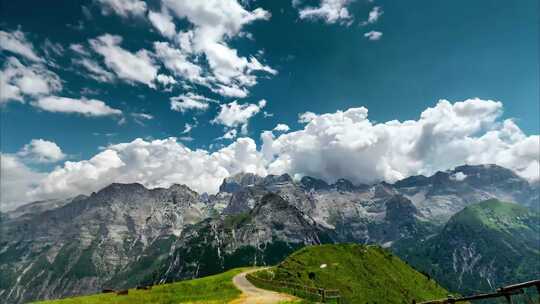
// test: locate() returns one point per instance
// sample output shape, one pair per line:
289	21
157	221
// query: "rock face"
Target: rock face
440	196
126	235
482	247
78	247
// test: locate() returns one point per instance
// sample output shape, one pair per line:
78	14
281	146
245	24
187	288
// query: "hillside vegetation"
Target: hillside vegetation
361	273
482	247
212	289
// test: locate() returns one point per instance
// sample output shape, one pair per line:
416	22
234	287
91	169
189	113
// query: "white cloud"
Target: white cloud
282	128
163	22
344	144
142	116
132	67
79	49
18	80
306	117
52	49
176	61
157	163
459	176
189	101
188	127
139	118
374	15
230	91
123	8
214	23
373	35
165	79
231	134
17	43
234	114
331	11
94	69
87	107
42	151
17	182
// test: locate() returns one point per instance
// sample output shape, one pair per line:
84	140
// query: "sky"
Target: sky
190	92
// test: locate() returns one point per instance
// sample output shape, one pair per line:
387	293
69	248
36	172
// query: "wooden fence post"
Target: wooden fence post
323	296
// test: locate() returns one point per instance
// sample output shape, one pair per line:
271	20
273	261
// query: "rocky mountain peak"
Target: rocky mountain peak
181	188
485	174
276	179
311	183
412	181
272	201
236	182
119	189
398	208
344	185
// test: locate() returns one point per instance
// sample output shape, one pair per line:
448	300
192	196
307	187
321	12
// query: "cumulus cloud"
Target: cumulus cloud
163	22
16	42
234	114
306	117
189	101
87	107
347	144
18	80
344	144
281	128
214	23
165	79
157	163
176	61
42	151
123	8
373	35
18	181
131	67
331	11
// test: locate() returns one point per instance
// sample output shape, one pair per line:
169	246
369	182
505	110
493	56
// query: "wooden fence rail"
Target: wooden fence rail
306	292
504	292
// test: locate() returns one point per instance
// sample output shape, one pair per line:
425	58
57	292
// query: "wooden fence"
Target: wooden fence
306	292
506	292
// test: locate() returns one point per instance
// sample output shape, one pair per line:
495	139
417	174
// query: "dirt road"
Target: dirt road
253	295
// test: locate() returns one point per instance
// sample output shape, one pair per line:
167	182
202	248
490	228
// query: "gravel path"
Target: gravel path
253	295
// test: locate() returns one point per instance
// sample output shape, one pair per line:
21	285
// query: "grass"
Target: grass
212	289
496	215
361	273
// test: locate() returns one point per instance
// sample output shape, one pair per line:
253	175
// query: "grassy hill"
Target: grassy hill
212	289
361	273
482	247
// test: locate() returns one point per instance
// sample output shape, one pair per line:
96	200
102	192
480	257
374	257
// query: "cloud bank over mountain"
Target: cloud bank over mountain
344	144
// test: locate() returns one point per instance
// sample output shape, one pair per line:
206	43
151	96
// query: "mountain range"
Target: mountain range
126	234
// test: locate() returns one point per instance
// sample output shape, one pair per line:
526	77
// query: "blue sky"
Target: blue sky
395	58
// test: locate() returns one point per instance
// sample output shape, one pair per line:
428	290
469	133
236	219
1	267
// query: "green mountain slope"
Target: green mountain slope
212	289
361	273
485	246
